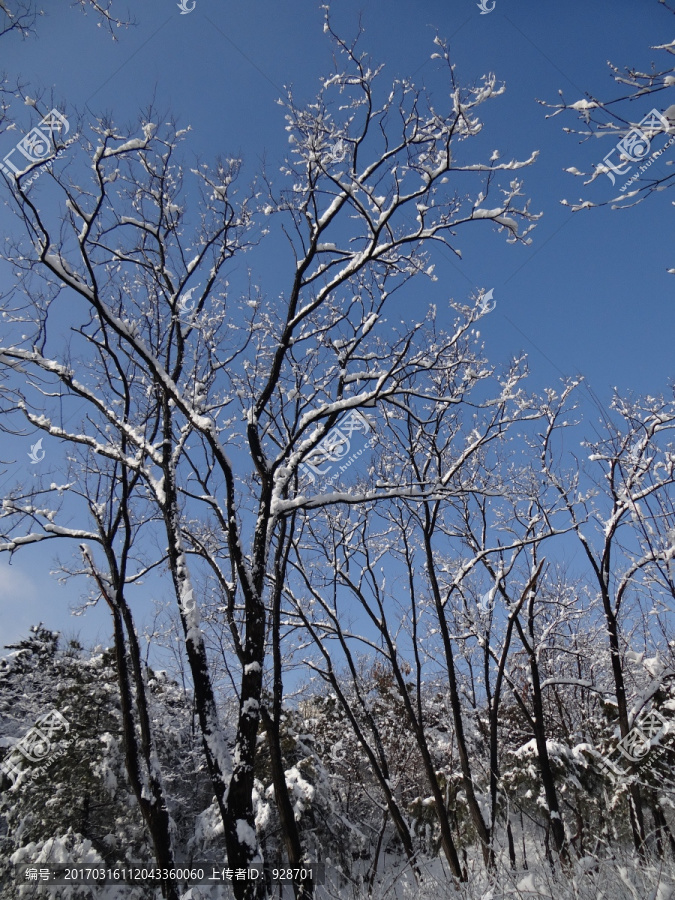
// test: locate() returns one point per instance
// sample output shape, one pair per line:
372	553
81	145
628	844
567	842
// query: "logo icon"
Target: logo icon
188	601
337	752
184	8
35	452
184	304
486	603
636	144
35	746
36	146
336	446
645	736
637	742
484	304
484	8
338	151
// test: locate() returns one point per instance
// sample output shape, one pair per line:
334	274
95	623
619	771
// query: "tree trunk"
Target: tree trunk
234	799
140	770
635	799
548	781
289	827
556	825
512	846
467	780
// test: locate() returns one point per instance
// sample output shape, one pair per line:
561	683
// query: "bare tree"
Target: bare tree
326	626
107	491
494	513
615	119
167	380
20	16
634	528
434	445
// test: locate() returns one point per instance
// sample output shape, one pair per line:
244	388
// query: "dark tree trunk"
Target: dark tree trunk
272	724
635	799
548	781
376	756
512	846
376	857
495	701
661	828
141	760
234	799
455	701
556	825
447	840
289	828
140	767
378	764
602	571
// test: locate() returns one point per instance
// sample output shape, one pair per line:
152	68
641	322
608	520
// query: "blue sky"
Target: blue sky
590	295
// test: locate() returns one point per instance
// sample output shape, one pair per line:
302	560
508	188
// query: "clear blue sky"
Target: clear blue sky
590	295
